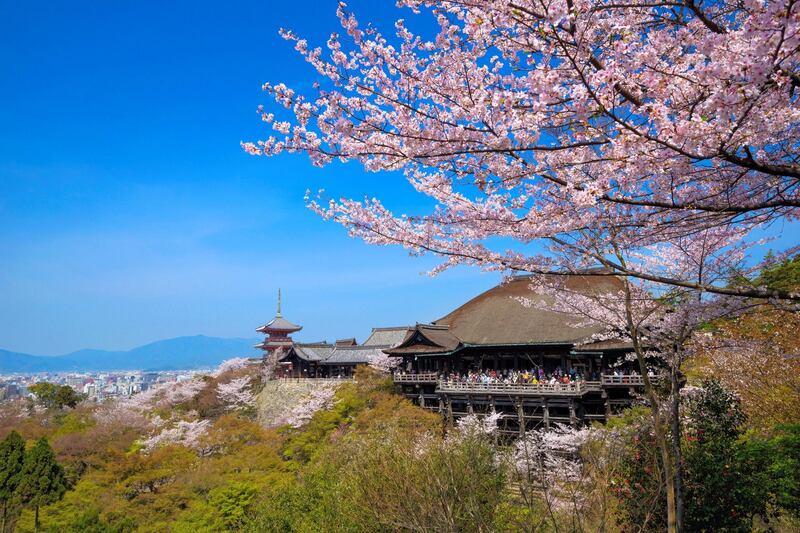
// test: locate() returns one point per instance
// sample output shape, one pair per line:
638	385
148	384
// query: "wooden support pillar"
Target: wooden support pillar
491	404
449	412
546	416
441	406
572	418
607	404
421	396
521	417
470	410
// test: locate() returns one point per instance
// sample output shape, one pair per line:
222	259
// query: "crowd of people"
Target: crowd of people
535	376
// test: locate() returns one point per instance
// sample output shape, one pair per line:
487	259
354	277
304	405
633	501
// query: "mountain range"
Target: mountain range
170	354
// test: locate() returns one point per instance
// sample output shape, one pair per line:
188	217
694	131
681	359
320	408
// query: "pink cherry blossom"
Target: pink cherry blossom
474	425
184	432
320	399
561	124
237	393
231	364
383	362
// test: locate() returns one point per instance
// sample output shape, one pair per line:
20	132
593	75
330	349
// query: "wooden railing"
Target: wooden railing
625	380
428	377
594	386
558	389
313	380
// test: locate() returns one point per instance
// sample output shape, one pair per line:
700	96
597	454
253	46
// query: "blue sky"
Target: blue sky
128	211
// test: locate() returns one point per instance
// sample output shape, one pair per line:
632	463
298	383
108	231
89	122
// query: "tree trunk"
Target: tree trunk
36	520
659	427
666	459
676	445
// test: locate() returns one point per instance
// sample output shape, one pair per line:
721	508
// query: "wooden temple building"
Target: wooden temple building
495	335
470	361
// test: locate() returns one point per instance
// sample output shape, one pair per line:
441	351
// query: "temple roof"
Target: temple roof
285	343
312	352
330	354
599	346
279	324
497	317
426	338
352	355
387	337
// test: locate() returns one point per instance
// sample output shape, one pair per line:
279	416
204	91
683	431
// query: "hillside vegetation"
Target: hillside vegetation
234	451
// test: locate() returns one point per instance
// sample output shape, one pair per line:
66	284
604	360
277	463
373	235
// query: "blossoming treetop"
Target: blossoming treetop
610	133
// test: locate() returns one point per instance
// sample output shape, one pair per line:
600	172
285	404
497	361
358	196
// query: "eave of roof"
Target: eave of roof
279	324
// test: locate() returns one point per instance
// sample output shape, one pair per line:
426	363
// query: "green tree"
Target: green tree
777	460
12	457
90	521
231	504
51	395
42	479
782	276
724	490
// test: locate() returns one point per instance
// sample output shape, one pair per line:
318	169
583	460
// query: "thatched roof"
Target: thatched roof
497	317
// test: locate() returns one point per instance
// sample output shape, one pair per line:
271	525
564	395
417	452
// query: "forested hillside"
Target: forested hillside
358	457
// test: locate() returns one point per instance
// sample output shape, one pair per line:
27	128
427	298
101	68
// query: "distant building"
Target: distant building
76	382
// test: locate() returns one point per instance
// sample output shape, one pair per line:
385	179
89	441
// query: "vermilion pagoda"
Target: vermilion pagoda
278	331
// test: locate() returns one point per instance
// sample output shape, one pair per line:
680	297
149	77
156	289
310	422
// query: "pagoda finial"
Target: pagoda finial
279	303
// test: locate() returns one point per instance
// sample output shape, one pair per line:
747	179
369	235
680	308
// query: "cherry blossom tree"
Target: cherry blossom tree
383	362
115	415
187	433
757	356
535	120
475	425
320	398
231	364
652	139
271	363
237	393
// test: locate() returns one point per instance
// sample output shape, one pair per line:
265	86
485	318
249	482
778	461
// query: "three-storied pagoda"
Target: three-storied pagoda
278	332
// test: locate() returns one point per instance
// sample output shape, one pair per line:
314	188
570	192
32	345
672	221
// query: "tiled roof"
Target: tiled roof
387	337
351	355
279	324
426	338
313	352
329	354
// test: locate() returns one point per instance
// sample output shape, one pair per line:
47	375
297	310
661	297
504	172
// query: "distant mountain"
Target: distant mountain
22	362
169	354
